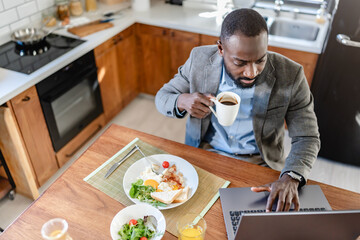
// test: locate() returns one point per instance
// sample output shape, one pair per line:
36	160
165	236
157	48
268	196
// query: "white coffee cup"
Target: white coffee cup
227	107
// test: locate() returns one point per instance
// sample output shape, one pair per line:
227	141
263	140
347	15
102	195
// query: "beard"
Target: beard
238	81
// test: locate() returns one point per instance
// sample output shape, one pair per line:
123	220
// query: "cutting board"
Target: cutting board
89	28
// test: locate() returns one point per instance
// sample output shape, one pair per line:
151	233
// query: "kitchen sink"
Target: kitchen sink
292	29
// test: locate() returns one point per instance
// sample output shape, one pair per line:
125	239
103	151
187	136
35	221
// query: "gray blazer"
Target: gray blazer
281	92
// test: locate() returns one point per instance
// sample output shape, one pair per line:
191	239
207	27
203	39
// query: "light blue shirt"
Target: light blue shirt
238	138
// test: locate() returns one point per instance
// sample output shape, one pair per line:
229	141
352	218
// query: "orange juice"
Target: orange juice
192	233
58	234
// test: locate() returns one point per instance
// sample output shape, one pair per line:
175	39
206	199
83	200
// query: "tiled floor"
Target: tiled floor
142	115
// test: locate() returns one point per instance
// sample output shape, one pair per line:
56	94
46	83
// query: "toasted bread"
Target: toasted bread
183	196
166	197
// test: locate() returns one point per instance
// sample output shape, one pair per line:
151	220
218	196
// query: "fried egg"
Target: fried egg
164	187
162	183
167	186
150	178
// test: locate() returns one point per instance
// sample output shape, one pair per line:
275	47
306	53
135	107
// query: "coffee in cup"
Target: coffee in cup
227	107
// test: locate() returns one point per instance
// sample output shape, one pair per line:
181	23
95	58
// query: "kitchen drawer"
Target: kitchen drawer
143	29
177	35
72	147
106	46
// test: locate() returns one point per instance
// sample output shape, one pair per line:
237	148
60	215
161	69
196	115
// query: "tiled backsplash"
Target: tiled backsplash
15	14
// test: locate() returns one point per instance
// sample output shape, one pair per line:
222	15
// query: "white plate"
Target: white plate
191	177
135	212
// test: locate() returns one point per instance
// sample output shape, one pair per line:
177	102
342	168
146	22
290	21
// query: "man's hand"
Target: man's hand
196	104
285	189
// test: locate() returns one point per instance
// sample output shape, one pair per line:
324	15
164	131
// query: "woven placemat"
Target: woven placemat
206	194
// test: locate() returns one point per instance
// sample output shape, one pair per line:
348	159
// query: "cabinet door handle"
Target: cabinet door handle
172	34
164	32
93	134
345	40
26	98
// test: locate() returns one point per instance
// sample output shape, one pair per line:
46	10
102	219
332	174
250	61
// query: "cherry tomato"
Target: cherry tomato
165	164
132	222
143	238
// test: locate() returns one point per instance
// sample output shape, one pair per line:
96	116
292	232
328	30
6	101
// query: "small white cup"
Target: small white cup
55	229
225	112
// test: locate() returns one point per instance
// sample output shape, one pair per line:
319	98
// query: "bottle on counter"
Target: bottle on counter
90	5
321	14
76	8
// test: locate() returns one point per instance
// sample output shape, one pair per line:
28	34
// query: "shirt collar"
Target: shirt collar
225	79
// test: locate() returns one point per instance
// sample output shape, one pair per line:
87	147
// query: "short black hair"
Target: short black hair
243	21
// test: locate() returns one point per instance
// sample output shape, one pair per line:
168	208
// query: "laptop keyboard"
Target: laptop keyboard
235	215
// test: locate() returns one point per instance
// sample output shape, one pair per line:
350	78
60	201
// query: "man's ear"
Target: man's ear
220	48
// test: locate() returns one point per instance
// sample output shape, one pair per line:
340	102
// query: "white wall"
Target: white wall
15	14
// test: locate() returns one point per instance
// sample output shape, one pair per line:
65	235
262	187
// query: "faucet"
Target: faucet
296	12
277	7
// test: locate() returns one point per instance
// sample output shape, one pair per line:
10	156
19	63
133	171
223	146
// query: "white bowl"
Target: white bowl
134	212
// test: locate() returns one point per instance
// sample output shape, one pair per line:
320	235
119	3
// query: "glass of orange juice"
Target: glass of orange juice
191	227
55	229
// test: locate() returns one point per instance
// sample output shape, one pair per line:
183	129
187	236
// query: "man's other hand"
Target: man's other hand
196	104
285	189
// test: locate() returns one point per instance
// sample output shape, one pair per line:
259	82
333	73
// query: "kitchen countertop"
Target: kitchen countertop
160	14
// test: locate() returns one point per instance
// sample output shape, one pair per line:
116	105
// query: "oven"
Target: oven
70	99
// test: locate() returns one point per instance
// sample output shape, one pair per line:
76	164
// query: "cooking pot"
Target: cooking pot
30	36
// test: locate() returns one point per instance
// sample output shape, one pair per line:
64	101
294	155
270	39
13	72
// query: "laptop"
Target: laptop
236	201
327	225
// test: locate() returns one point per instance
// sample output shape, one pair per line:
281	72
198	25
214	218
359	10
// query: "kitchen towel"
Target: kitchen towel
206	194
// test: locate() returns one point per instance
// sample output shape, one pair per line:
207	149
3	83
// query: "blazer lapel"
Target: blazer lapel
212	74
262	94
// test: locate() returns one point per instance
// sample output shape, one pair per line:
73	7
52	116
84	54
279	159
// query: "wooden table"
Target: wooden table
89	212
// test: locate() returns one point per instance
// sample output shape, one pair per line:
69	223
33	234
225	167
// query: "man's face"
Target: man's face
244	57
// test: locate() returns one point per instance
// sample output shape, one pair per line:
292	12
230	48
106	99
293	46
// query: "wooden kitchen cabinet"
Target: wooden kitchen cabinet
117	71
181	44
208	40
108	77
306	59
29	116
162	52
154	57
16	156
127	65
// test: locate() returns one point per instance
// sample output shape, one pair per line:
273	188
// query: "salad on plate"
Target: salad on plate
137	230
138	222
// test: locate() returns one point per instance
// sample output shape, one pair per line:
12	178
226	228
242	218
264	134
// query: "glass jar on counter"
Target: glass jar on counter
76	8
49	17
62	7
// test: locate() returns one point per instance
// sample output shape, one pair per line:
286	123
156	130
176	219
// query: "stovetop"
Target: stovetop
55	45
